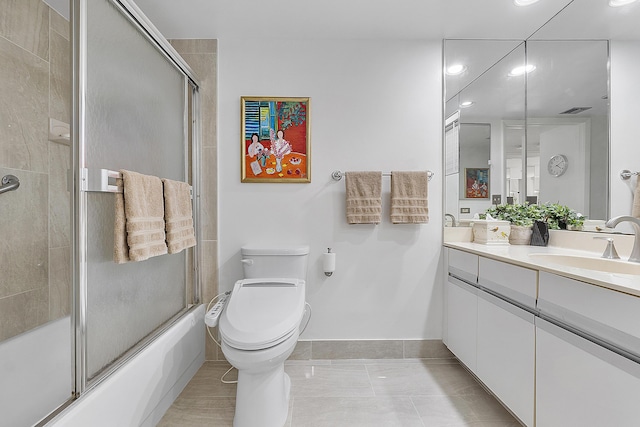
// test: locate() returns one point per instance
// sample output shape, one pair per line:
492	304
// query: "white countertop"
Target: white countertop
519	255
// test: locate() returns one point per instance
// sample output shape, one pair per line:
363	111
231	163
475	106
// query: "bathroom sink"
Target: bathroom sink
588	263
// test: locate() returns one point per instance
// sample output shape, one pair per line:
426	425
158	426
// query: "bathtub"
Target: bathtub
137	394
35	373
140	392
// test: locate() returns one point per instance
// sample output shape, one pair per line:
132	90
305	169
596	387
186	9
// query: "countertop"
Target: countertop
519	255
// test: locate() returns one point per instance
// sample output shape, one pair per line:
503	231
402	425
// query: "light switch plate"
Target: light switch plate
465	210
496	199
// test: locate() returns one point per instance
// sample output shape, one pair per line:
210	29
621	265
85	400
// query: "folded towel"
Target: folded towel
178	216
364	197
144	213
409	197
635	211
120	247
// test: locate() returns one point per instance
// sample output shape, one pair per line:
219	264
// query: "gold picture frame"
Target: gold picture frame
275	139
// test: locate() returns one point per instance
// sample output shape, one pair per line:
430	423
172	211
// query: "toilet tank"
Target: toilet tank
282	262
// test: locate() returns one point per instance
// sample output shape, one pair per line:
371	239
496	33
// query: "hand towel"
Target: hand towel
635	210
409	192
364	197
144	213
120	247
178	216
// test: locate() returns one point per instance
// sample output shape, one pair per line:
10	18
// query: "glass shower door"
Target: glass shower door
133	114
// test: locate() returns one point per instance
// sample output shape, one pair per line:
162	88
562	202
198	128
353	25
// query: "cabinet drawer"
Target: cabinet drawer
463	265
606	314
516	283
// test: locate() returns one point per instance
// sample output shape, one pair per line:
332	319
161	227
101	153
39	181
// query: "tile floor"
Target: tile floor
381	392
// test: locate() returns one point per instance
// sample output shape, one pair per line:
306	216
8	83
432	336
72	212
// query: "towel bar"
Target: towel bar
626	174
337	175
103	181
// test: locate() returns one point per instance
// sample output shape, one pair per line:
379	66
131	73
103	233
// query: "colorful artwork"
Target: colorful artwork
477	183
275	139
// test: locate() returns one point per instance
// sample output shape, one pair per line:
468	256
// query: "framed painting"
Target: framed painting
476	183
275	139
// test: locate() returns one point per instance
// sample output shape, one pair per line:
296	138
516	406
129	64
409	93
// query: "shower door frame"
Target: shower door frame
192	134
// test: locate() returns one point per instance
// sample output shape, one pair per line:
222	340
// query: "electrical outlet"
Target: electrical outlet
465	210
496	199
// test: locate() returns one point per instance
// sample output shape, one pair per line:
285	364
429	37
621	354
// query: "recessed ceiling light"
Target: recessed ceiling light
518	71
526	2
455	69
618	3
466	104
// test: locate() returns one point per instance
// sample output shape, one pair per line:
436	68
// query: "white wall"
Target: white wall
625	125
375	105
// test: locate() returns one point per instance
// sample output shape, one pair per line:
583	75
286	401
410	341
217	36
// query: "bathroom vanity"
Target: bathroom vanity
558	345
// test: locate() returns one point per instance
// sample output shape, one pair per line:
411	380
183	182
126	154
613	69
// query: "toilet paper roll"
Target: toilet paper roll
329	262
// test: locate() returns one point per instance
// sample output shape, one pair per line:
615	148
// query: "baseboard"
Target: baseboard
371	349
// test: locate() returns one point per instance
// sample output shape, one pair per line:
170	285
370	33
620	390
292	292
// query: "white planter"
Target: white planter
520	235
491	232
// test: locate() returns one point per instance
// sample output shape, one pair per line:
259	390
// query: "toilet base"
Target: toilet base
262	399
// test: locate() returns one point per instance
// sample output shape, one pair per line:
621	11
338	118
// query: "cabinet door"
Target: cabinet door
579	383
462	310
506	354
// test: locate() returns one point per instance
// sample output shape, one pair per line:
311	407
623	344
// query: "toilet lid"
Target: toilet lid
262	312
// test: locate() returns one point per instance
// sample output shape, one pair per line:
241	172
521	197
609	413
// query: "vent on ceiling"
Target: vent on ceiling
576	110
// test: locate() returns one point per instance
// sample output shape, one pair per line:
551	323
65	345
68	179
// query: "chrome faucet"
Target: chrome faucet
635	222
453	219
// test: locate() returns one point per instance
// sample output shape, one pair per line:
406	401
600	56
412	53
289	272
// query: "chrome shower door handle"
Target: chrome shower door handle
9	183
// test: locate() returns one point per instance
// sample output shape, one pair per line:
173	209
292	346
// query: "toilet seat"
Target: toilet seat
262	313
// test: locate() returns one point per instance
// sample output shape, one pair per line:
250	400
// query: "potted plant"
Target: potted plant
559	217
521	218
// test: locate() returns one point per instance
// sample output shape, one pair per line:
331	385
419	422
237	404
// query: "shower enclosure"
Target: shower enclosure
70	316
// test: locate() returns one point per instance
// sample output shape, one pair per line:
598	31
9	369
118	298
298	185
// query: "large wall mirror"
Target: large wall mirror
536	120
560	109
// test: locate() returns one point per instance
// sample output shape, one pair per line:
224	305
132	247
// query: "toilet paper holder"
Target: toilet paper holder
329	262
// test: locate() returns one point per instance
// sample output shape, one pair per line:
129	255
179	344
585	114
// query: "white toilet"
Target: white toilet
259	328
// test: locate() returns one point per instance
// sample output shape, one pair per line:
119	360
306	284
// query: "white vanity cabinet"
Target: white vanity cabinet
462	306
556	351
581	377
506	335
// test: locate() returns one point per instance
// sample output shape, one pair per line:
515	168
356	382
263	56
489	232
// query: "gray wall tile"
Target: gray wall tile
26	23
24	311
59	282
24	106
60	79
24	229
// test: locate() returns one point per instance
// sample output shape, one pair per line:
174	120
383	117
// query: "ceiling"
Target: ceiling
339	19
386	19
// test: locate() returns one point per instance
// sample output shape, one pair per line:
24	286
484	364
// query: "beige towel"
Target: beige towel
120	247
178	216
144	213
364	197
635	210
409	197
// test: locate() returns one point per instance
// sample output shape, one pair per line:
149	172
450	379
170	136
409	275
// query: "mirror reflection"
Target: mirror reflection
536	119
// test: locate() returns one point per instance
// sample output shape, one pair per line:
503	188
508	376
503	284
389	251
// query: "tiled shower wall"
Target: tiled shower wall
202	57
35	246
